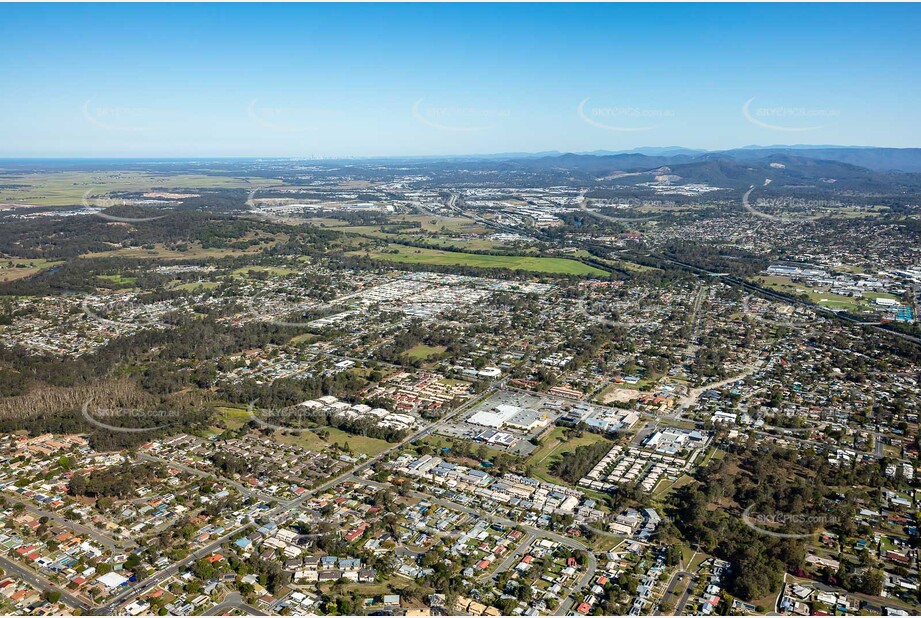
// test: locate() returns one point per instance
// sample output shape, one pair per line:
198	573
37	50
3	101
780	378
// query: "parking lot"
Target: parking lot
512	419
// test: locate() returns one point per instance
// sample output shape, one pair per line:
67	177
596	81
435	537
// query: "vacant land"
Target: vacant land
455	225
619	393
195	285
311	441
414	255
448	232
118	279
306	338
233	418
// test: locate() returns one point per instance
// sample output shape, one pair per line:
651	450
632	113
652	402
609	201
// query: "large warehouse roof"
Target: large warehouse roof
495	417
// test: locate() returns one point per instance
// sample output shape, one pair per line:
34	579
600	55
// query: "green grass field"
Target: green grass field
306	338
118	279
414	255
422	351
68	188
554	447
195	285
665	486
233	418
712	454
824	298
311	441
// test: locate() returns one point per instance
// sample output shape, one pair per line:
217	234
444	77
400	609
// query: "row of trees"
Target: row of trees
576	464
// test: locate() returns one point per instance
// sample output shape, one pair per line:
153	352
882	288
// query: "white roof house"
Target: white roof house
112	580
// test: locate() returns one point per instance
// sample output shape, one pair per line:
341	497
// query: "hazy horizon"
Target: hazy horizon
449	156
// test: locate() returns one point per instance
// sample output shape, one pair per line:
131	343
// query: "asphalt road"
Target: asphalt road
153	580
84	530
234	601
539	533
677	579
878	445
513	558
31	577
279	513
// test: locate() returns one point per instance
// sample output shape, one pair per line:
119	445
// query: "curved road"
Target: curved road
234	601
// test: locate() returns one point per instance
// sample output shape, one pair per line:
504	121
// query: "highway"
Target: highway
757	289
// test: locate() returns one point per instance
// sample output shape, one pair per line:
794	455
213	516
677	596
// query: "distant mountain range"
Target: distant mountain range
849	168
826	168
878	159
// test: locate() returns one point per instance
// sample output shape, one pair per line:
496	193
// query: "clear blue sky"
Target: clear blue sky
413	79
